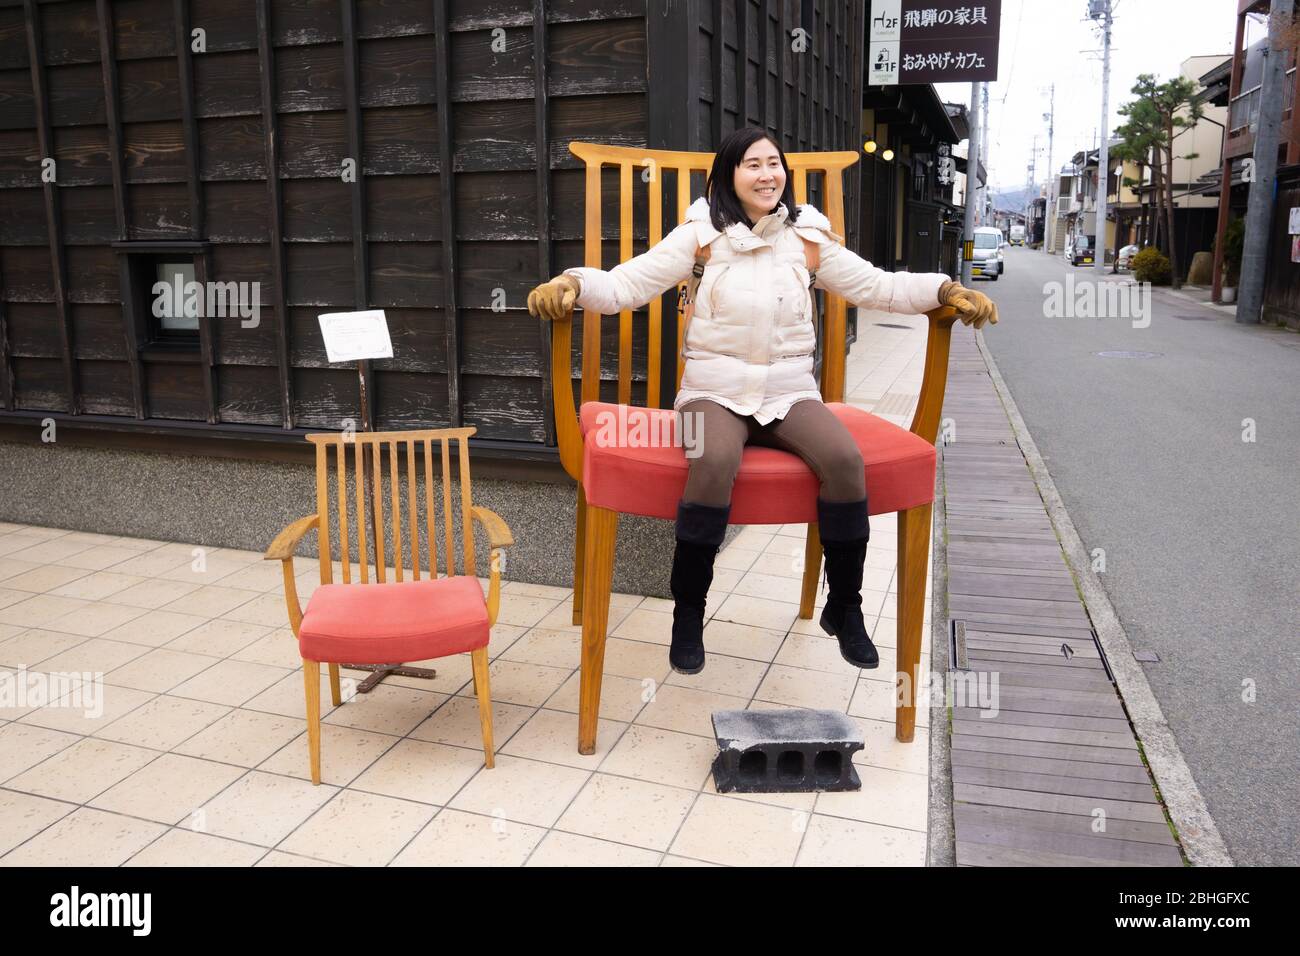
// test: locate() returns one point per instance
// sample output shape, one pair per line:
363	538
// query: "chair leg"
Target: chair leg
913	553
481	690
336	693
311	684
602	530
812	569
579	555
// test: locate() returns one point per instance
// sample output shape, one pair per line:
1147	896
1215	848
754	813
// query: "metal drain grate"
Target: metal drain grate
1126	353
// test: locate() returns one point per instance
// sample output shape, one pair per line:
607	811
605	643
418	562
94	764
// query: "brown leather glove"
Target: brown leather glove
973	308
555	299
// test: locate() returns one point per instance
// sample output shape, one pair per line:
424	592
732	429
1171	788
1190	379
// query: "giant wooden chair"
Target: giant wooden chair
773	486
385	622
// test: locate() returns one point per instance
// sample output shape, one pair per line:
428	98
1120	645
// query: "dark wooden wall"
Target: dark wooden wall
452	220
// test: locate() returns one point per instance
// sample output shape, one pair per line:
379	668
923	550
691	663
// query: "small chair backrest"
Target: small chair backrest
656	163
355	493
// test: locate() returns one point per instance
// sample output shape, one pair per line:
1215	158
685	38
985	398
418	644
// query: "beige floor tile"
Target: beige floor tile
97	585
883	748
394	710
571	849
221	638
420	771
45	577
263	808
452	674
268	610
344	755
211	600
151	593
203	569
523	609
87	709
457	723
96	619
686	710
155	563
260	576
229	682
456	838
798	687
835	842
802	802
39	610
787	564
547	647
10	630
670	860
636	659
8	598
877	700
85	837
23	815
553	736
627	811
809	652
502	637
887	797
741	640
155	628
661	756
736	559
278	648
359	829
771	586
724	580
98	558
169	789
242	737
159	670
515	682
521	791
537	590
560	618
733	676
287	697
753	538
96	655
48	552
621	698
276	858
187	848
83	770
738	833
648	626
163	723
29	647
760	612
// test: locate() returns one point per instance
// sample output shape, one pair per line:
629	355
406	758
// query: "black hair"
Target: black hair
725	207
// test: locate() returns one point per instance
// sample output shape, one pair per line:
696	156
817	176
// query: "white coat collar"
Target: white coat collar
807	222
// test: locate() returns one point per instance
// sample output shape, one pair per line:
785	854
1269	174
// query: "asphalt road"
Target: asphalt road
1200	529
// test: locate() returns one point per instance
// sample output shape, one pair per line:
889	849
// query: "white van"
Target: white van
987	257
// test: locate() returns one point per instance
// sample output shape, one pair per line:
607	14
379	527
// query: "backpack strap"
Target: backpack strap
686	303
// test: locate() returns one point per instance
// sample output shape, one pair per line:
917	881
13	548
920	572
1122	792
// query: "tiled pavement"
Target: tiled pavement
200	755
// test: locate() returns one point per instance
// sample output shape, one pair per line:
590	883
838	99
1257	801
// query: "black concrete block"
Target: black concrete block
785	751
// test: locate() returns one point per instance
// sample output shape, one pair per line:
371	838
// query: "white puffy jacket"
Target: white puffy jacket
751	340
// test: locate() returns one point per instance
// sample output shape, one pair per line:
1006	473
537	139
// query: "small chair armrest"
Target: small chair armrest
286	542
935	379
499	536
568	433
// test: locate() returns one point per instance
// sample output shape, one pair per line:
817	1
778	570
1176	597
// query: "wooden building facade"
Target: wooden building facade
331	155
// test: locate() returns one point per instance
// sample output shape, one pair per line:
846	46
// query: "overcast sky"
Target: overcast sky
1046	41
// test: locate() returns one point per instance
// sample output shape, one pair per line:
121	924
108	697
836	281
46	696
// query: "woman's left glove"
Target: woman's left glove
555	299
973	308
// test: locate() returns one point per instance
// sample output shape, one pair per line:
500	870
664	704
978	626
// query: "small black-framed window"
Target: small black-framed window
163	288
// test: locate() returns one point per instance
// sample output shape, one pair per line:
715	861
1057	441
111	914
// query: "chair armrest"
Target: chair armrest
568	434
286	542
282	549
935	379
499	536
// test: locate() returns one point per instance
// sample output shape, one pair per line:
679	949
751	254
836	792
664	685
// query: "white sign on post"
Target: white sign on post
353	336
1293	222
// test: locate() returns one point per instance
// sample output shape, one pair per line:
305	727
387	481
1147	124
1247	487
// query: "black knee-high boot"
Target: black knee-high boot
700	530
844	531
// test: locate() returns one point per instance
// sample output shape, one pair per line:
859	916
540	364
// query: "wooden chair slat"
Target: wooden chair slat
359	477
430	516
412	510
446	507
394	480
323	510
467	527
345	549
377	500
625	253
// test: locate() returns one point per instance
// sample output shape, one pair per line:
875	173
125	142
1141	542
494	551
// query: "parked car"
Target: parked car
987	257
1126	255
1078	250
1017	235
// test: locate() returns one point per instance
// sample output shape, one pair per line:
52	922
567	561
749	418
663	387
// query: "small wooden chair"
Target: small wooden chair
773	486
397	621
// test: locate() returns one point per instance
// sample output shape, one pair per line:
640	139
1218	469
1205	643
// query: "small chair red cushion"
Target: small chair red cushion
394	622
646	475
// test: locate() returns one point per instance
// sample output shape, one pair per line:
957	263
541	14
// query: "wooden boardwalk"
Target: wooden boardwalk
1053	777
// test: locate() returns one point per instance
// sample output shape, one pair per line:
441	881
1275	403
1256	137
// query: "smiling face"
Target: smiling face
760	179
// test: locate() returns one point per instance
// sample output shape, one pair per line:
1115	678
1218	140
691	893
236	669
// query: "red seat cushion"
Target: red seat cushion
646	475
388	623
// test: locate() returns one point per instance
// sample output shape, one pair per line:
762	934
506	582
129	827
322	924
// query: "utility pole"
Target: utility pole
1101	9
1259	205
984	155
1053	183
972	177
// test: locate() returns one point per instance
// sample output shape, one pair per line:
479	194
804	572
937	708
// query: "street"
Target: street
1180	468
